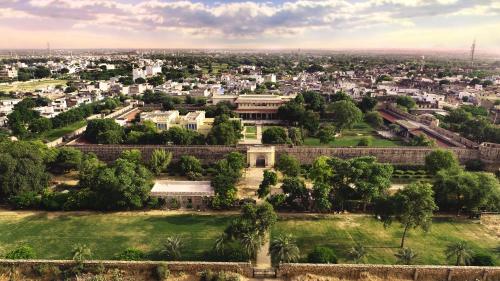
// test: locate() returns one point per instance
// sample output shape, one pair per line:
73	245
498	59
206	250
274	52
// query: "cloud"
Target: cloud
246	19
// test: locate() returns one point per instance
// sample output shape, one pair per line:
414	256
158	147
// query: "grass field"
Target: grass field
250	132
53	237
59	132
29	86
342	232
351	137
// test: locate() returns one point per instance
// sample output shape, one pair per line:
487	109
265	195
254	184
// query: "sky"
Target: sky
259	24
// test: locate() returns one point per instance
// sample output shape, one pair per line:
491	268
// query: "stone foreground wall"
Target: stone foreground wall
306	155
244	269
388	272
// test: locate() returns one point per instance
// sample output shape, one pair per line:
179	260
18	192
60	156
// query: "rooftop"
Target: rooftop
168	187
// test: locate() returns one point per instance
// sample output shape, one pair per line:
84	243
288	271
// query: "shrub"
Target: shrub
288	165
322	255
174	204
208	275
365	142
21	253
162	272
25	200
131	254
482	260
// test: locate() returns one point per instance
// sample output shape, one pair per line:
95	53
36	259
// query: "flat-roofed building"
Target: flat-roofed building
260	107
183	194
164	120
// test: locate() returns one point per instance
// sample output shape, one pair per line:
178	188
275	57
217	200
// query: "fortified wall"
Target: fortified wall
306	155
392	272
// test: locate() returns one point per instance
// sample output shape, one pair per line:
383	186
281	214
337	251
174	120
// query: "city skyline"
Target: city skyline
277	24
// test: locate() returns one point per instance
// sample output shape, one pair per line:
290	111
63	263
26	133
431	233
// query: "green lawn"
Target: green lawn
108	234
342	232
29	86
59	132
351	137
251	129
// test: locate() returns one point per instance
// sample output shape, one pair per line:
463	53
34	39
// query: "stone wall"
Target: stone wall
206	153
388	272
244	269
393	155
209	154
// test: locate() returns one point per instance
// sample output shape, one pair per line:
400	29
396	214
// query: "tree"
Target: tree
284	249
122	186
270	179
274	135
297	195
40	125
440	160
367	104
459	252
68	159
374	119
357	253
132	155
225	131
172	247
455	188
345	114
104	131
22	168
227	172
482	260
422	140
251	242
288	165
322	255
405	102
326	134
405	256
412	206
21	253
295	136
190	165
156	80
159	161
321	196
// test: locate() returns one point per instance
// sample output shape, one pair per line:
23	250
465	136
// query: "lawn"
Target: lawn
59	132
351	137
53	236
342	232
29	86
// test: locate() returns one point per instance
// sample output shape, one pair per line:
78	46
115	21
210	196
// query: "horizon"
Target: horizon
442	25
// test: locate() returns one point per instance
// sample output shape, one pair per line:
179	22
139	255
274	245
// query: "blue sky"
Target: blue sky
315	24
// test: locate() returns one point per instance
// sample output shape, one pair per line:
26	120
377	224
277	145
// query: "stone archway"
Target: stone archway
260	156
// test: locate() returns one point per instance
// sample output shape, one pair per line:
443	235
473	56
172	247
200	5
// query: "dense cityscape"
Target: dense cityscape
259	140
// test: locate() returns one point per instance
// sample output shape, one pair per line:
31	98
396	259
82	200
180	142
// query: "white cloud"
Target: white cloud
245	19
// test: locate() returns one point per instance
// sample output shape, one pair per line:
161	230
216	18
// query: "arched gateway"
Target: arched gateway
260	156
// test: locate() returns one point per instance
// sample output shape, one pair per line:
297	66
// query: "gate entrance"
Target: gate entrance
260	156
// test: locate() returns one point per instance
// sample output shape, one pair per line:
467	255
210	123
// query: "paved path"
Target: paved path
263	260
249	184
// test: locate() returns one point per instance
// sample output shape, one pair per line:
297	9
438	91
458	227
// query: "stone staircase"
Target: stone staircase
263	273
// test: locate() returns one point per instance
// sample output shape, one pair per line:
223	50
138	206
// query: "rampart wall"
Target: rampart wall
146	268
391	272
306	155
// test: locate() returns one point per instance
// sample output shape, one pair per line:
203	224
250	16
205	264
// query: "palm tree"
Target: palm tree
81	253
405	256
220	243
357	253
251	243
172	247
284	249
460	252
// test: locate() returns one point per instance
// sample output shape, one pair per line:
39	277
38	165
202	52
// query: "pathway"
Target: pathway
263	260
